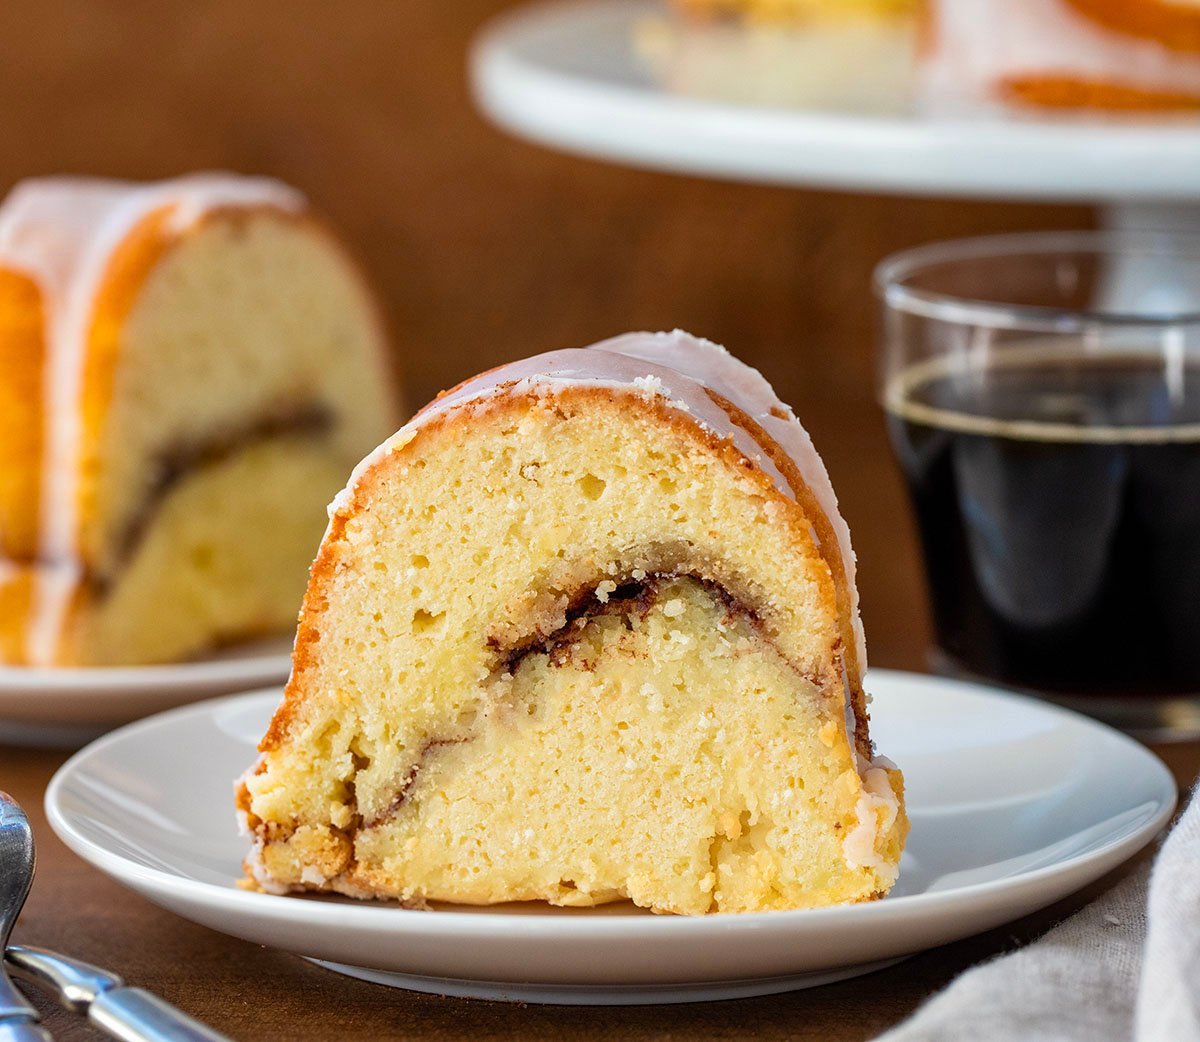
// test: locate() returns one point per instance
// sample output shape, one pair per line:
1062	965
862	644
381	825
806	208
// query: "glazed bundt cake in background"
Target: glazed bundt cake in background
585	629
187	369
795	11
841	55
1134	56
941	57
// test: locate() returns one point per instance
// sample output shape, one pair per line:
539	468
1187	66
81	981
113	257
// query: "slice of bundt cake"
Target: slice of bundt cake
187	369
585	629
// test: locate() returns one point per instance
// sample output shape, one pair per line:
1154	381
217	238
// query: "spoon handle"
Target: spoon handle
127	1014
18	1018
135	1015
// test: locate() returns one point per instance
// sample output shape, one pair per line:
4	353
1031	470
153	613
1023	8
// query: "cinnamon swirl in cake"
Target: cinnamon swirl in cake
585	629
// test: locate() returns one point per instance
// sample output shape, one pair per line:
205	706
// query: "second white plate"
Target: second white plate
67	706
1014	804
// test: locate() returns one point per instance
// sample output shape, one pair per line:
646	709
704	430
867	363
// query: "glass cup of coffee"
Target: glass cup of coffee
1042	394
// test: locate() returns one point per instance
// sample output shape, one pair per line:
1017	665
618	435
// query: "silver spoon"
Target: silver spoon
18	1019
129	1014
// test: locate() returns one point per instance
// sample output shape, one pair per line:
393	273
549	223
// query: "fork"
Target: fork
122	1012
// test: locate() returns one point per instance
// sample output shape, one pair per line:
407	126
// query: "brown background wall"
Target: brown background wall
485	248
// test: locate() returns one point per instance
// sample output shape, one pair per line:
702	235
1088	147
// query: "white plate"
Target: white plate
62	706
1014	804
565	74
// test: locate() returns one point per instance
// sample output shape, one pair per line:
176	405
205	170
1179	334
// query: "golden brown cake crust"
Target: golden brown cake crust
1075	92
22	363
1174	25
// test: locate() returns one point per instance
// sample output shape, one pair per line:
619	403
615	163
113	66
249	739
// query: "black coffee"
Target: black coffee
1058	501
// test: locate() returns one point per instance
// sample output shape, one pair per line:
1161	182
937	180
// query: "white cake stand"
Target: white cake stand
566	74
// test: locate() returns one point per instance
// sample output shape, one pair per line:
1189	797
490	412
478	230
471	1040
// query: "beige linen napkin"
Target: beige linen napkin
1126	967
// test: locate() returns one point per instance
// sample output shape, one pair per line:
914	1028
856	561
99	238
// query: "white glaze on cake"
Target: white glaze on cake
576	367
978	44
61	232
875	812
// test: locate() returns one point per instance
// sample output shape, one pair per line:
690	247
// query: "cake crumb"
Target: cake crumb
654	701
730	824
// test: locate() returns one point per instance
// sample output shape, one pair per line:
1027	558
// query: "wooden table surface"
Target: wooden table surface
484	249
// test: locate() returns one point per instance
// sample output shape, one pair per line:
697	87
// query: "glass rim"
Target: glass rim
890	275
